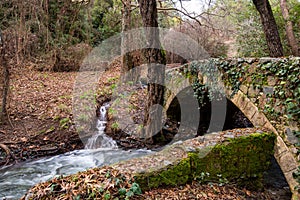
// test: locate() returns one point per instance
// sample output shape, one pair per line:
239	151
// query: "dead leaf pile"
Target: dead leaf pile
41	94
109	183
103	183
199	191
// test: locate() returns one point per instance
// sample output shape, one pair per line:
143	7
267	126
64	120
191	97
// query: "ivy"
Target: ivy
233	73
287	71
256	73
211	87
296	176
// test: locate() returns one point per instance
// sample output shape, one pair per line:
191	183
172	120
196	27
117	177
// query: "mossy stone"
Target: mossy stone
241	160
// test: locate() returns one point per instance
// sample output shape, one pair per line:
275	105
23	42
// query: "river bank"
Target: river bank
40	125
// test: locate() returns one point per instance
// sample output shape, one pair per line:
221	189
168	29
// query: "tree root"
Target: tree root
8	154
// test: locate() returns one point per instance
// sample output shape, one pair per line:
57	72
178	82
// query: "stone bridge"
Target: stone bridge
265	90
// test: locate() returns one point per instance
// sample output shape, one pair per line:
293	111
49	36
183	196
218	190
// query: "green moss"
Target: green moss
237	159
242	160
171	175
163	53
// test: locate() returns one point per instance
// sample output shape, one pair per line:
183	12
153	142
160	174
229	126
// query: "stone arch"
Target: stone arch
284	157
282	153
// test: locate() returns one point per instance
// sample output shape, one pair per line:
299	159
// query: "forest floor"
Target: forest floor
40	124
39	109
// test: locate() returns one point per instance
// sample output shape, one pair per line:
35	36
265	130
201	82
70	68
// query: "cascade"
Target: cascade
100	139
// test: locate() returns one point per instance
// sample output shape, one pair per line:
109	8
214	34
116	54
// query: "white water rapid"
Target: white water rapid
100	139
100	150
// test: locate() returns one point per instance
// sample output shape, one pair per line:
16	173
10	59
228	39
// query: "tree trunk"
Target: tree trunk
127	72
47	20
289	28
270	27
5	78
21	32
156	74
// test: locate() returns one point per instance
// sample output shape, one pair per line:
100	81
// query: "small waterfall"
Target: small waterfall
100	139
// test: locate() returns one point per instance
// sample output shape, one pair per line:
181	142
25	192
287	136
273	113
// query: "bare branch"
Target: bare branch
184	13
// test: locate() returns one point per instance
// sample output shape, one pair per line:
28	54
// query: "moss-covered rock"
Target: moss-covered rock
237	159
242	160
171	175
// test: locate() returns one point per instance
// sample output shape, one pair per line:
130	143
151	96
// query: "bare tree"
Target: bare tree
289	28
270	27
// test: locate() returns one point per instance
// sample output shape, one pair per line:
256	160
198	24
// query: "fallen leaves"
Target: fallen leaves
196	190
97	183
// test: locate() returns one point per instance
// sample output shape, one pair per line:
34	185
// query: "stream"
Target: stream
100	150
16	180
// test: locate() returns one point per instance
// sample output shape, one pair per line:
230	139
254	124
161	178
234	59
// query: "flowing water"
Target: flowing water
17	179
100	150
100	139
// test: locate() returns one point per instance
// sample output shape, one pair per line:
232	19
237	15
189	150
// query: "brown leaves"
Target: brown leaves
43	94
109	183
93	183
198	191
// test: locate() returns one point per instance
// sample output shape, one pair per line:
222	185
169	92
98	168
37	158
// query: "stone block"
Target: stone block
240	60
244	89
262	101
268	90
250	60
205	80
294	150
293	184
271	81
200	77
249	79
269	126
293	124
236	98
250	110
280	147
259	119
279	109
252	69
268	59
242	101
233	62
290	136
294	58
287	162
253	92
